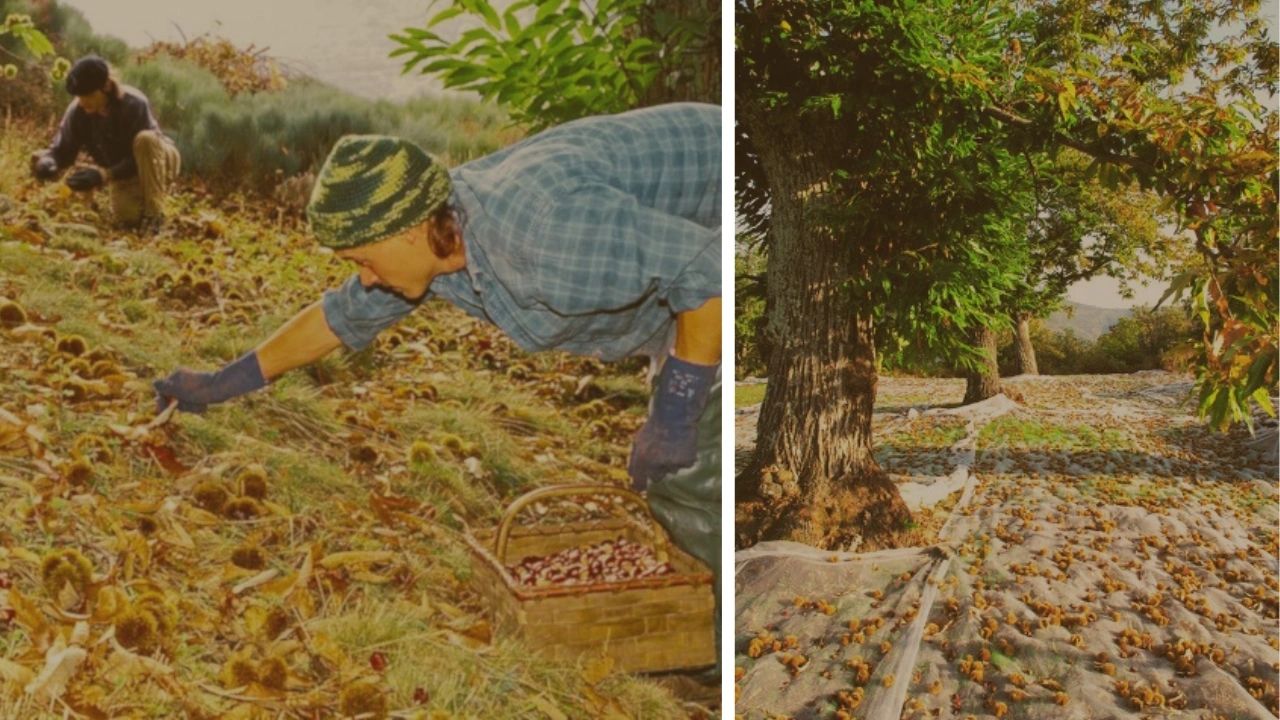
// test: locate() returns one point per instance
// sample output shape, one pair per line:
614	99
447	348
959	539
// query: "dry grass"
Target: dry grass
334	446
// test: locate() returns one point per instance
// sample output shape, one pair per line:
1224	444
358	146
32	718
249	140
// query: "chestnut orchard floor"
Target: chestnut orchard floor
1115	559
293	554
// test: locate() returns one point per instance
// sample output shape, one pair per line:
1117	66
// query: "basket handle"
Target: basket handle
660	542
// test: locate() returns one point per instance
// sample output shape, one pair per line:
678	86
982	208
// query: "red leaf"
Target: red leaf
378	661
165	457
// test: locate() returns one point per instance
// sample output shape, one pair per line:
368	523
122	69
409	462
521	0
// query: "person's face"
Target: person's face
403	263
94	103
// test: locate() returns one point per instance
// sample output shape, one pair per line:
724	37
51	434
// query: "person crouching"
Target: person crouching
131	156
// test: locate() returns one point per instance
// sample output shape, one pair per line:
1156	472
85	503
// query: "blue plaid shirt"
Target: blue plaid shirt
588	237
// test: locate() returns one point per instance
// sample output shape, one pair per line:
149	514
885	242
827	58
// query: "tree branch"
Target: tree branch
1062	138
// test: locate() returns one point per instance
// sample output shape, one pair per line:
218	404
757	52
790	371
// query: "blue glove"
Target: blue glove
44	167
196	391
669	439
85	179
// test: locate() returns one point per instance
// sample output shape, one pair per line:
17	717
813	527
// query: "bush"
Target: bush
247	142
1145	340
253	140
240	70
751	352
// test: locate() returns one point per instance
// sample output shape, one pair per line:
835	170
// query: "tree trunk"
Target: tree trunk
984	381
813	478
1026	351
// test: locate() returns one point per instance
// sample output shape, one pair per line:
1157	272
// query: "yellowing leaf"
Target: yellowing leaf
325	647
60	665
547	708
25	555
356	557
595	670
253	582
15	673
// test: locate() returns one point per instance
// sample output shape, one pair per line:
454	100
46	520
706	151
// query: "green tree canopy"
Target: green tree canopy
878	152
552	61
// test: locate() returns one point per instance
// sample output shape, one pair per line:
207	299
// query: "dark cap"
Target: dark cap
88	75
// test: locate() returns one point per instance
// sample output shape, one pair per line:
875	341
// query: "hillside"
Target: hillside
1086	321
293	552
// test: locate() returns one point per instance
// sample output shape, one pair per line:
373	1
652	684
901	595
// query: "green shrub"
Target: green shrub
1145	340
253	140
250	140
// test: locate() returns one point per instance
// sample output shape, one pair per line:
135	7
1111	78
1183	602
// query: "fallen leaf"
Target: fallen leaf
60	665
166	458
356	557
550	710
15	673
255	581
595	670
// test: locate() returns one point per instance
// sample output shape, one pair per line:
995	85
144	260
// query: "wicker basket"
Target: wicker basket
646	625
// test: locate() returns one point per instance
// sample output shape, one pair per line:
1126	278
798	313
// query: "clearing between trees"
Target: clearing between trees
1088	551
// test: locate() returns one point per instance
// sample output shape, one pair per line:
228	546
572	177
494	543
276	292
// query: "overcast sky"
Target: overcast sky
343	42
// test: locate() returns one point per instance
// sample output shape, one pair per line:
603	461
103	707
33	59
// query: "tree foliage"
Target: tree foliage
1177	96
1081	229
556	60
933	208
23	29
1164	95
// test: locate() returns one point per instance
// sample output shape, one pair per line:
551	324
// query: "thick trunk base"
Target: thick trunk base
984	381
857	513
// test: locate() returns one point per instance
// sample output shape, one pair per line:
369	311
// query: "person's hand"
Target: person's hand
196	391
668	441
86	178
43	166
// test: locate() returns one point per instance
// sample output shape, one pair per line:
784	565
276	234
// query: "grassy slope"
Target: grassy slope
332	441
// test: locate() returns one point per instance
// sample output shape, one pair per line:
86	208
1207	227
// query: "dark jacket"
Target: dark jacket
108	140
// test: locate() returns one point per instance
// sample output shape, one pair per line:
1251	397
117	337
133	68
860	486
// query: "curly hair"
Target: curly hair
444	230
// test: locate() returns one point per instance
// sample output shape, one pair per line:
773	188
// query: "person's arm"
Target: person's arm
351	315
61	152
303	340
698	334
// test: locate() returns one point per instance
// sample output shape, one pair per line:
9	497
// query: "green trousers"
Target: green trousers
687	502
141	196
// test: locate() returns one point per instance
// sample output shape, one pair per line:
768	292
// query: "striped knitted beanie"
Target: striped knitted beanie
373	187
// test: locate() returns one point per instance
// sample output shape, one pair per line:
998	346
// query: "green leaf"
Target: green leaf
37	44
490	15
446	15
1263	398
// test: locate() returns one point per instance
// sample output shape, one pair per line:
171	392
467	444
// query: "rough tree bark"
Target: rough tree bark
813	477
984	381
1026	350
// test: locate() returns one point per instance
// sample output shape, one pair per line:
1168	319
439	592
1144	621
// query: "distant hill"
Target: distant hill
1087	321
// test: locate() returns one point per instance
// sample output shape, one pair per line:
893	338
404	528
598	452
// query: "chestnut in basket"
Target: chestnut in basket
609	561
